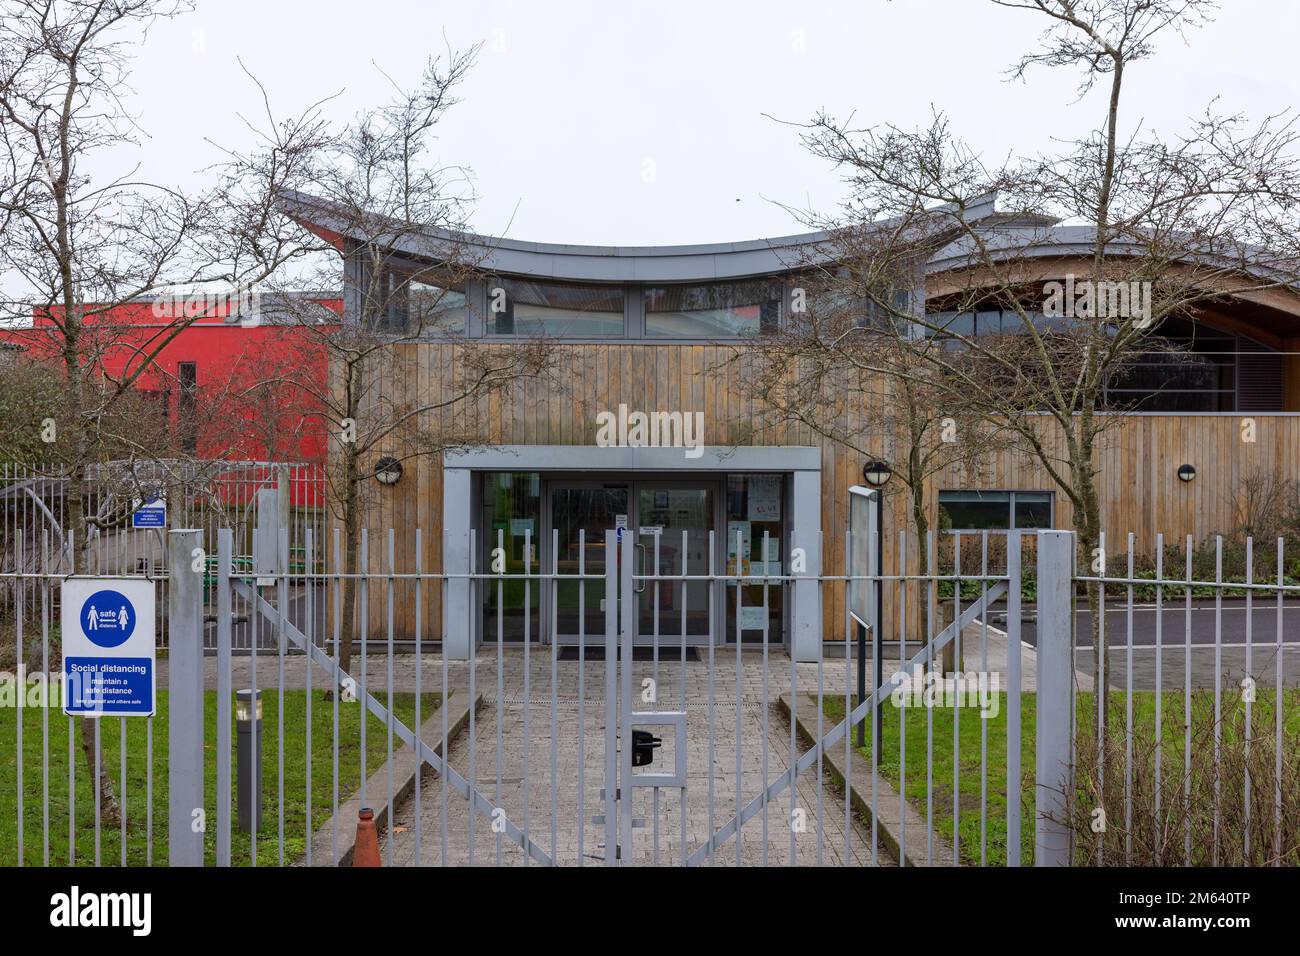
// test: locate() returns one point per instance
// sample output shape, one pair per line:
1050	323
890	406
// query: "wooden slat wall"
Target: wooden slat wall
1137	463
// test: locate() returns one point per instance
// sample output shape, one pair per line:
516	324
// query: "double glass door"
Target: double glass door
669	521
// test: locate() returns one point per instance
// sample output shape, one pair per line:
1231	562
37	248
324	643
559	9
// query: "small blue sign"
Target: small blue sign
153	514
107	618
119	685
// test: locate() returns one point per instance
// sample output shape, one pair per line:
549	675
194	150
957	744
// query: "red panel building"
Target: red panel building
218	379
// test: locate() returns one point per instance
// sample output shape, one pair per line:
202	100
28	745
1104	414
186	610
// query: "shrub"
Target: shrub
1197	813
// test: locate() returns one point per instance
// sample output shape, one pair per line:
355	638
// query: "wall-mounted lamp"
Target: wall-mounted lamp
1186	472
388	470
876	473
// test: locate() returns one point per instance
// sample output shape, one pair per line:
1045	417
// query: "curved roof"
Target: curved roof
515	257
1019	235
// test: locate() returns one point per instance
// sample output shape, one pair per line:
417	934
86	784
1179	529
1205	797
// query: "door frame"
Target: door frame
550	481
635	482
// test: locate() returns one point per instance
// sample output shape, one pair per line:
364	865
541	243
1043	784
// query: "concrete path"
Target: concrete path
547	775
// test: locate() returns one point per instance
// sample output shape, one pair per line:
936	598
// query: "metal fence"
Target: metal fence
35	535
978	742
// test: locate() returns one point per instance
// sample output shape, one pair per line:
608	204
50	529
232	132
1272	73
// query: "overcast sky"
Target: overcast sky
643	123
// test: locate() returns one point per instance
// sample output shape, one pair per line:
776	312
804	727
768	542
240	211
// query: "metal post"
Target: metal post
225	565
878	626
185	813
1055	626
628	620
611	697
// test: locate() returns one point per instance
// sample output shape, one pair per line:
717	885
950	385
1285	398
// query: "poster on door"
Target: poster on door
738	560
764	492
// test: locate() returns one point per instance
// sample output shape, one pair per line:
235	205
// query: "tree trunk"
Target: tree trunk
351	533
75	522
109	812
1087	523
922	524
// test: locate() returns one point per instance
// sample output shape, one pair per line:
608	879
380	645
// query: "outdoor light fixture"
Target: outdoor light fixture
248	725
388	470
1186	472
875	473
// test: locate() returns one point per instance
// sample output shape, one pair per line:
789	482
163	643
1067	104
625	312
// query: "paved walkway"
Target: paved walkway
557	763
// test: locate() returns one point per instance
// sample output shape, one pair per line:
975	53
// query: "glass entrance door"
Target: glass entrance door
582	512
673	524
669	521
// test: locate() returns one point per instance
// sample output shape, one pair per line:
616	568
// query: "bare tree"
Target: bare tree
378	192
1168	227
79	244
822	369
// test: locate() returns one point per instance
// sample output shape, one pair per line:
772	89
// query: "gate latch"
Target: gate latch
644	745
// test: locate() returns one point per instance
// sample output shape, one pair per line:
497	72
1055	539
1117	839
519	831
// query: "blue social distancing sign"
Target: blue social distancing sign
152	514
109	647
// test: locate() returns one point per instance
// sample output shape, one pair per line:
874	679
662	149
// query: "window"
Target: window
417	304
754	507
1198	369
525	307
1190	366
721	310
995	510
188	374
435	308
511	514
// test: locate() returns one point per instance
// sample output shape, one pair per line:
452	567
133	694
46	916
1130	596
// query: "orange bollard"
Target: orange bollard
366	850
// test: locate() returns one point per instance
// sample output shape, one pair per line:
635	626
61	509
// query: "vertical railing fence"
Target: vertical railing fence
642	744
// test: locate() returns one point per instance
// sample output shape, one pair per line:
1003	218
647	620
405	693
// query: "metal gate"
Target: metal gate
671	754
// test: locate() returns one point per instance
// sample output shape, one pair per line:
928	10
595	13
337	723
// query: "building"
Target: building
213	378
649	330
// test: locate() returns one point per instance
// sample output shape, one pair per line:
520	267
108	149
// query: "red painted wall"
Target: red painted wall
240	413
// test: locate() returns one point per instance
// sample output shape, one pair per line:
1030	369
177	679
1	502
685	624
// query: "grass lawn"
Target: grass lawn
970	775
296	797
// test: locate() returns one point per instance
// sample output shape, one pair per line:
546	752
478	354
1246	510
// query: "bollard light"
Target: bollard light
245	705
248	776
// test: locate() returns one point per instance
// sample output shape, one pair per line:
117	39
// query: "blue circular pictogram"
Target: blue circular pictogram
107	618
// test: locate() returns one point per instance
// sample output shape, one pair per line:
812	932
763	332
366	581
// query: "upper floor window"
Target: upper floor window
717	310
1182	366
416	304
527	307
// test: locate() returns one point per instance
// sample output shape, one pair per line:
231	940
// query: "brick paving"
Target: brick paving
568	832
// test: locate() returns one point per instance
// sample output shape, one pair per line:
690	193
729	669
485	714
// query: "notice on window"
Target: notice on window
738	560
752	618
520	527
764	497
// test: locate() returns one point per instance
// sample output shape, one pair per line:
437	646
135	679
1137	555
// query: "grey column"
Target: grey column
1053	774
185	699
806	596
457	632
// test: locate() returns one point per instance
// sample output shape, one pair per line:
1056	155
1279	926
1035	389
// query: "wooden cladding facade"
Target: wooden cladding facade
1136	465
